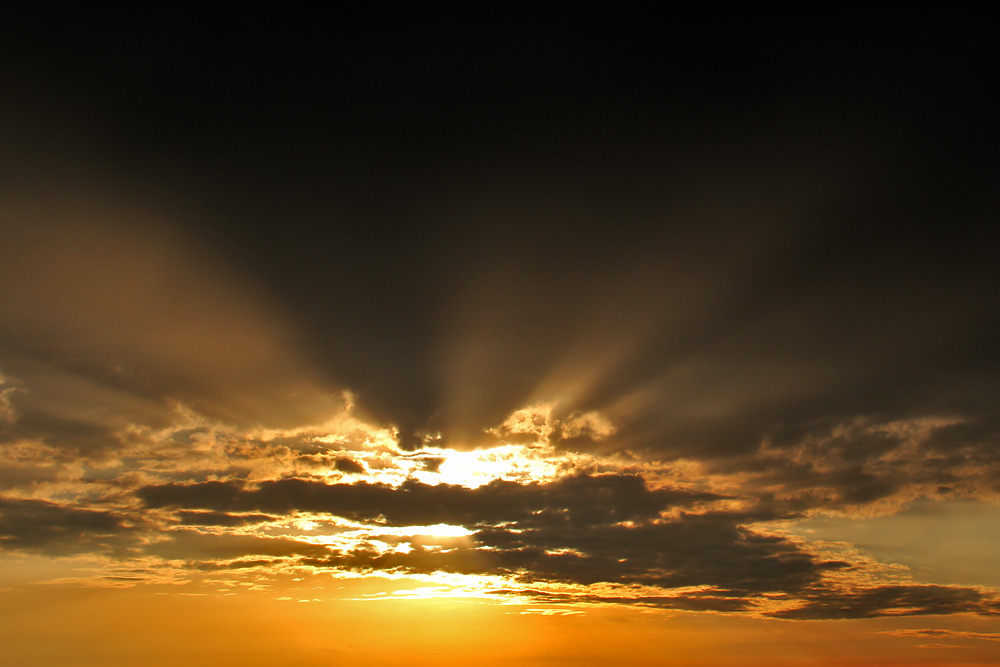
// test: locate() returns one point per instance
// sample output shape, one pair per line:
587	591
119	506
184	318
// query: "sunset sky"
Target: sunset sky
438	339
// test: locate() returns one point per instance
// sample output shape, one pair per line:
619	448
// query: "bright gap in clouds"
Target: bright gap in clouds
479	467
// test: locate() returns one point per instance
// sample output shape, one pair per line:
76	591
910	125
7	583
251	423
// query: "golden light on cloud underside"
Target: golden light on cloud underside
525	451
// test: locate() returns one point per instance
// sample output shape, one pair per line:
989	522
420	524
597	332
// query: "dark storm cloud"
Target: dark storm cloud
48	528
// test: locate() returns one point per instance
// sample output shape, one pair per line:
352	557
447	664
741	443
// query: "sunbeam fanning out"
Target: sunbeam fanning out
596	338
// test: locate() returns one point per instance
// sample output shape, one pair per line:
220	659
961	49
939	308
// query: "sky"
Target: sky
551	338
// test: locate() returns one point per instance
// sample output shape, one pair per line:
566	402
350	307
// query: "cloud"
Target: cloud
868	466
578	530
194	545
221	519
893	600
349	466
681	600
546	423
48	528
945	634
600	538
712	549
580	500
607	539
7	389
28	463
615	529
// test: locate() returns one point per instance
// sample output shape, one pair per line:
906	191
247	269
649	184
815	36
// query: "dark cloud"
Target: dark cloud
49	528
717	562
221	519
349	466
826	604
893	600
860	462
194	545
712	549
583	529
733	571
207	495
946	634
577	501
694	601
694	551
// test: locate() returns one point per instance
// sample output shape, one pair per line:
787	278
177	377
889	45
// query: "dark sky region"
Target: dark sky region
601	309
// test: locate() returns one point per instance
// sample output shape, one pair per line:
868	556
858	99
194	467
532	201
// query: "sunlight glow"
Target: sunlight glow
506	462
437	530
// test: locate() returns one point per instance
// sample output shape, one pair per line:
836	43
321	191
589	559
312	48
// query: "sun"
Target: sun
472	469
